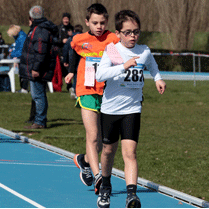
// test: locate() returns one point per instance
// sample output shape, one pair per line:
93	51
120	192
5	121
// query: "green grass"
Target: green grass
173	143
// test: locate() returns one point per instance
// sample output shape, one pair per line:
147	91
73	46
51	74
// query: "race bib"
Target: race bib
90	70
134	77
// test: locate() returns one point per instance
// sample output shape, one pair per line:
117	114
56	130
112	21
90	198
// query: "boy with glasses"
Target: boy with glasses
122	68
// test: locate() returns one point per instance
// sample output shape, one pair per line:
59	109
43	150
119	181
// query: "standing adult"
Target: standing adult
19	36
2	42
64	27
37	64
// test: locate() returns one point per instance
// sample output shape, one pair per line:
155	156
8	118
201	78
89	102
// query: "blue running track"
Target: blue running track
32	177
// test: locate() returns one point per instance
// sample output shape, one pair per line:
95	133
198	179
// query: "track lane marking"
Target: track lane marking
21	196
12	163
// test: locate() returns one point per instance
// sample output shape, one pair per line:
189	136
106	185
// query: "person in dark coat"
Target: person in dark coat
37	64
63	28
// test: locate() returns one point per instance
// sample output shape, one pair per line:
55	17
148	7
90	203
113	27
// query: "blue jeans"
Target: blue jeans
38	93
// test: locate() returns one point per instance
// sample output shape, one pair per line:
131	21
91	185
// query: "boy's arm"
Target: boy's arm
72	67
153	68
106	71
74	62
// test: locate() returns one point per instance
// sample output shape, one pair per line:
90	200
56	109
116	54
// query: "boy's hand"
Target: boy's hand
130	63
69	77
64	40
66	64
161	86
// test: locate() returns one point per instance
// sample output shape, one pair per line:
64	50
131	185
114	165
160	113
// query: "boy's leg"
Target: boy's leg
91	122
130	128
107	160
130	161
110	135
131	172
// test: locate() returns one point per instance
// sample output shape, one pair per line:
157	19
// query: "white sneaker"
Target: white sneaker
22	91
72	93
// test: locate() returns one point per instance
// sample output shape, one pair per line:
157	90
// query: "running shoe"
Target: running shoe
103	200
72	93
132	201
85	174
97	182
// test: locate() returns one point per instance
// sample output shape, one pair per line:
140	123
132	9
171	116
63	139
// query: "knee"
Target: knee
107	150
129	156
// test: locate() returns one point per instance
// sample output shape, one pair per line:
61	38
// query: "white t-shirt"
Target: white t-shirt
123	90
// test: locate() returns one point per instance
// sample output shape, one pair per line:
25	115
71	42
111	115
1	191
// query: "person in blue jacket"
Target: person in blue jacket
19	35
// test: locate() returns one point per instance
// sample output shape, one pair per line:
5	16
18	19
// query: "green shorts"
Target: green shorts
89	102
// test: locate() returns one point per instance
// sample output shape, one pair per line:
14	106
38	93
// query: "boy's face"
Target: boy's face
70	32
97	24
126	35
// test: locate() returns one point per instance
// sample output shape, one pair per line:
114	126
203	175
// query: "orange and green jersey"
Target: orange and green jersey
87	45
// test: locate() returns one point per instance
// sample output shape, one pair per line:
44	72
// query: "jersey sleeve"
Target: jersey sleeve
152	66
73	63
106	71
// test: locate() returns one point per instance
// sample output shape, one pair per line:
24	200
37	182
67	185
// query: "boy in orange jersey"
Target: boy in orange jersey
88	49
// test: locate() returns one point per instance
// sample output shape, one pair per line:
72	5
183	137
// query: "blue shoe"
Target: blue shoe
85	174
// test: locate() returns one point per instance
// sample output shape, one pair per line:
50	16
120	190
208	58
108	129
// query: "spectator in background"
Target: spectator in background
67	57
38	63
19	35
10	49
64	27
2	42
33	104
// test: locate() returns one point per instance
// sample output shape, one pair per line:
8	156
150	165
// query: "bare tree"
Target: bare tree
180	19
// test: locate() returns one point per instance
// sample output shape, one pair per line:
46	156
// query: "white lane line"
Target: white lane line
21	196
12	163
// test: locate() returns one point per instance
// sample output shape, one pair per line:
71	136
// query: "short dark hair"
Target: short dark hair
71	28
126	15
78	28
98	9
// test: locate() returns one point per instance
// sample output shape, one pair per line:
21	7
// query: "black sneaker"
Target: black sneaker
97	182
85	174
132	201
103	200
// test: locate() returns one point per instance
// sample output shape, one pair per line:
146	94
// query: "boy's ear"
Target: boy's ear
117	33
87	22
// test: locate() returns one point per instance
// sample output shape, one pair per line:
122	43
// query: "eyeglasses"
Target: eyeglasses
129	32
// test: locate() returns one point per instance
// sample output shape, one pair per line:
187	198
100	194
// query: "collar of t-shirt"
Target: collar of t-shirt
94	35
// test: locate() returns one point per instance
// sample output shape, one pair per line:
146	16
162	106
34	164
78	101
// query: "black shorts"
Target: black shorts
128	126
